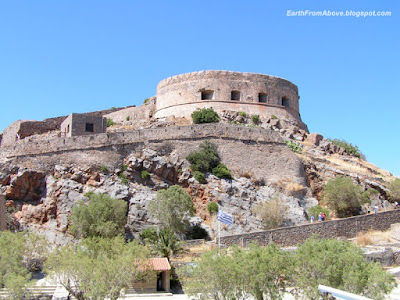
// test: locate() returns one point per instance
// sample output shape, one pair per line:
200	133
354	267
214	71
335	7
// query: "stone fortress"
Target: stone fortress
177	97
254	94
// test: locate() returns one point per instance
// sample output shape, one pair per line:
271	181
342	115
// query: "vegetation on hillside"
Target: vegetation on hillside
205	115
345	197
271	212
103	216
207	159
395	190
348	147
293	146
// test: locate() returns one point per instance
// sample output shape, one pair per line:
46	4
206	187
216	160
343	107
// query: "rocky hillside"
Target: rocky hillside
41	189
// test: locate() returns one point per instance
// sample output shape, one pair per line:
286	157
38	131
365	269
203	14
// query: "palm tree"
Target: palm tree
167	244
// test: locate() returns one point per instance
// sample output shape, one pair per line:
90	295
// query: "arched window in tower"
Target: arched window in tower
207	95
235	95
285	101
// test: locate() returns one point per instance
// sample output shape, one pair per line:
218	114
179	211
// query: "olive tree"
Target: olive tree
99	268
172	208
103	216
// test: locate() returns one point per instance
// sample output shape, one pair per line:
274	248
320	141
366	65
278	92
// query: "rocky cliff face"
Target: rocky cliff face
41	189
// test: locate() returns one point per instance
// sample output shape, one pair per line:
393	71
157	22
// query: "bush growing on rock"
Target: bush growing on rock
395	190
293	146
145	175
205	115
103	216
343	196
110	122
222	171
255	119
205	159
172	208
348	147
200	177
212	207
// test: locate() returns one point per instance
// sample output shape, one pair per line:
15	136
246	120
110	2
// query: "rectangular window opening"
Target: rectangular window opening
89	127
207	95
235	95
262	98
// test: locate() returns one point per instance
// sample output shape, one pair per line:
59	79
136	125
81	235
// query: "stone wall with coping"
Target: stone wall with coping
343	228
180	95
53	145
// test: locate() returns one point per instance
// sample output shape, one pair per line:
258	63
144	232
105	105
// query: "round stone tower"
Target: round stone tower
254	94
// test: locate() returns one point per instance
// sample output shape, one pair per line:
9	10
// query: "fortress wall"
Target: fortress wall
242	149
135	114
187	89
23	147
291	236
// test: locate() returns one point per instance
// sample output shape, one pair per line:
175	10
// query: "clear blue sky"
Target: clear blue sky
58	57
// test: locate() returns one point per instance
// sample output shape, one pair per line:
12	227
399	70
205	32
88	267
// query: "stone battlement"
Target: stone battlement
216	73
60	144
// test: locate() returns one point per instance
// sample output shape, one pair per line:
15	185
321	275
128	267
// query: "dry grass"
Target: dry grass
373	238
290	188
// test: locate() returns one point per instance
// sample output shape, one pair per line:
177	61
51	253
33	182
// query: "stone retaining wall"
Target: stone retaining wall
291	236
59	144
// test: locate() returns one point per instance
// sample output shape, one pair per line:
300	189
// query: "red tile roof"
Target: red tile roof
160	264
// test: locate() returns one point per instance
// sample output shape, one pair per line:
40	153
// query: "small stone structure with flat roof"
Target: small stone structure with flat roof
81	124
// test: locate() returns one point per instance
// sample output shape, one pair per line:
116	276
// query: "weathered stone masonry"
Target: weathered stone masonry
259	94
291	236
24	148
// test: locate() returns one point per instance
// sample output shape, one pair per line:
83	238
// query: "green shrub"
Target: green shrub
205	159
124	167
222	171
315	210
102	217
145	175
146	100
196	232
293	146
149	234
212	207
127	118
243	114
205	115
274	117
110	122
255	119
349	148
199	176
342	195
103	169
123	178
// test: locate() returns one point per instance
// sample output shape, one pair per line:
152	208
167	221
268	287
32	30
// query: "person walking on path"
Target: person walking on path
312	219
320	217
